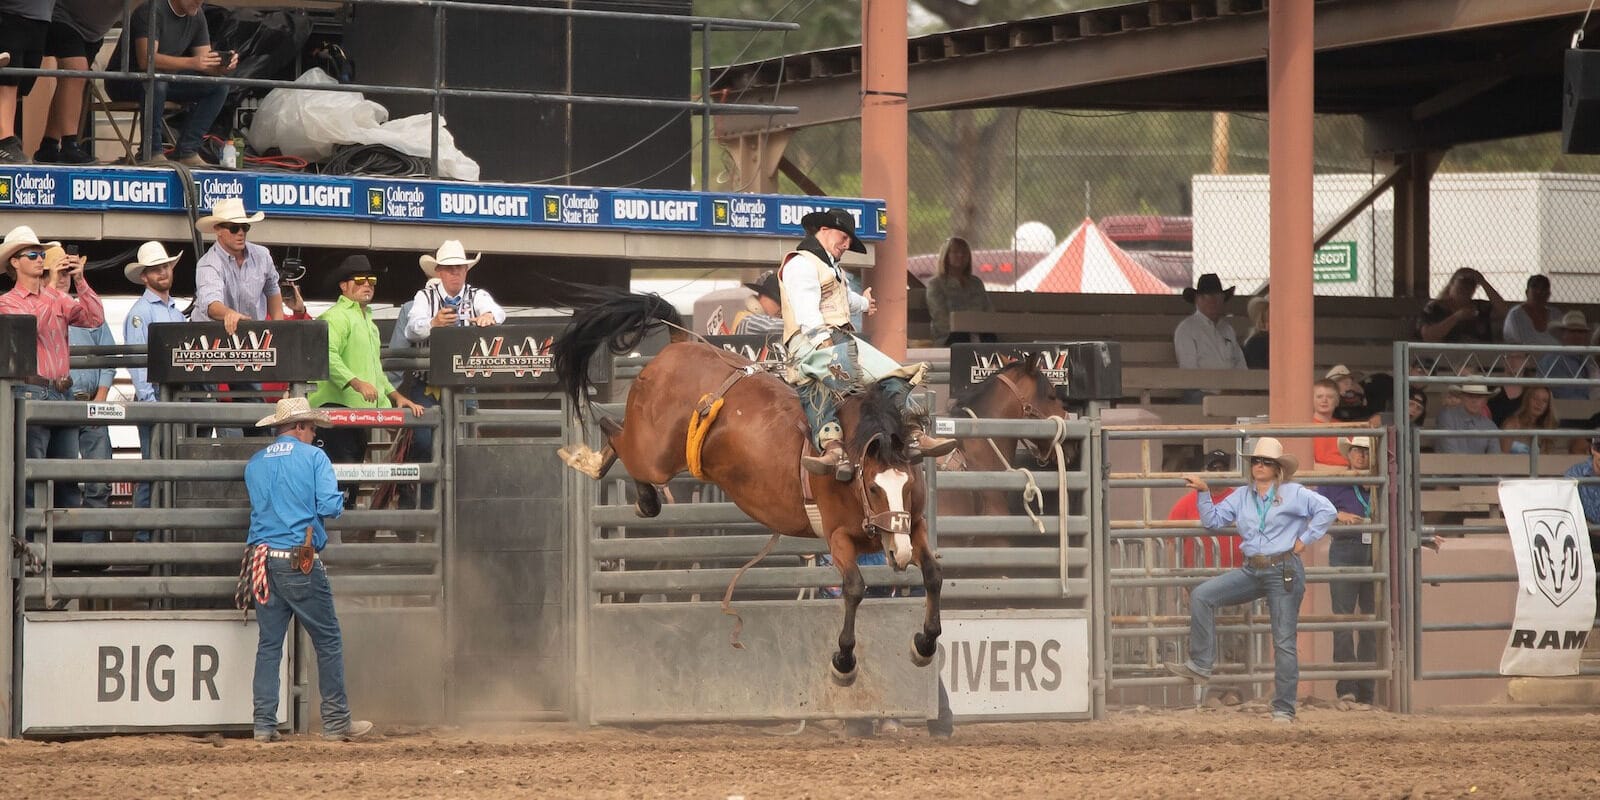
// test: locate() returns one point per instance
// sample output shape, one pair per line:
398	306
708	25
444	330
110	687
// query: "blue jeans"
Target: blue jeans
1283	603
1348	597
421	449
309	599
47	441
203	103
93	442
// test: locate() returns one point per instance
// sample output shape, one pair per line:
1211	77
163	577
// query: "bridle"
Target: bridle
1041	455
890	522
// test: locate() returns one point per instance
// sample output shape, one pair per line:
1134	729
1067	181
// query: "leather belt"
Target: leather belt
1262	562
62	385
287	554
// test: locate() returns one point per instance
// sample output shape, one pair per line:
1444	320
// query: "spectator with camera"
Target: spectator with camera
235	280
183	46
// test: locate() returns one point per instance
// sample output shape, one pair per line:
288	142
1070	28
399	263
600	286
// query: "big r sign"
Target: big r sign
1016	664
115	672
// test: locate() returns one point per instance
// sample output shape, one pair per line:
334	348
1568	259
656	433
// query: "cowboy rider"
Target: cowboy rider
826	359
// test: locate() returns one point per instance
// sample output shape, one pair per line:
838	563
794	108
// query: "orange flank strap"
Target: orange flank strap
700	421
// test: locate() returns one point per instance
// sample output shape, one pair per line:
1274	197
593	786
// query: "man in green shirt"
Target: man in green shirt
355	367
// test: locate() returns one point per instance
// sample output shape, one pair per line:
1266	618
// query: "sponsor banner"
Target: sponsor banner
499	355
1079	370
400	200
259	351
378	472
1555	573
366	417
765	349
19	348
999	664
122	672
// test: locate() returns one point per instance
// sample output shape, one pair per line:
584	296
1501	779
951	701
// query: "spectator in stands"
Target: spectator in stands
1257	347
88	385
1278	519
1204	340
1589	493
1454	316
1349	549
765	312
76	30
1325	449
53	311
355	365
1573	331
1528	322
1417	406
1353	405
1535	412
955	288
235	280
24	26
183	47
152	269
1195	553
1470	413
292	490
1506	399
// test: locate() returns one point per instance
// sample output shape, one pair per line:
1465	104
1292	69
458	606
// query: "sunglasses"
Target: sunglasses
235	227
365	280
34	254
1259	461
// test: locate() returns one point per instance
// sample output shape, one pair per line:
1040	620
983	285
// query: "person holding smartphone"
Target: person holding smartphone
183	46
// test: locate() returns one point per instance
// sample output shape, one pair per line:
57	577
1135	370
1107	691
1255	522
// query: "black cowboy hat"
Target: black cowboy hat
1209	283
767	285
837	219
352	266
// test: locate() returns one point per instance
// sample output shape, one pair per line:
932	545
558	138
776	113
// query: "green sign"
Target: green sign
1334	262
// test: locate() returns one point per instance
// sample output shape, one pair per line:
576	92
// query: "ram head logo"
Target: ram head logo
1558	562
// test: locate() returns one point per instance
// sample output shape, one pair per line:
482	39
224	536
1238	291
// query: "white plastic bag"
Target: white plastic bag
309	124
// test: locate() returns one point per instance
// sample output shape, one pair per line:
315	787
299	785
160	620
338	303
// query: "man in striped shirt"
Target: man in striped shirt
23	256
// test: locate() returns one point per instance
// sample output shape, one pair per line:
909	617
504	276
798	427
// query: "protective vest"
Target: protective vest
835	292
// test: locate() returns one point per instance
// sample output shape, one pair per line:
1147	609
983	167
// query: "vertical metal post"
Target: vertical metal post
445	501
581	496
705	113
438	83
1405	569
884	126
9	503
1099	540
152	112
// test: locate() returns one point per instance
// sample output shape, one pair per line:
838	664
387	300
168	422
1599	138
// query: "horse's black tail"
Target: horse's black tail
613	318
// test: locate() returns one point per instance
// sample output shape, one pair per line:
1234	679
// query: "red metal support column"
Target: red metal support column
1290	108
883	163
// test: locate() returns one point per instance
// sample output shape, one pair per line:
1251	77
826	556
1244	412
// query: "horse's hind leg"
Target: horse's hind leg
595	465
925	644
854	587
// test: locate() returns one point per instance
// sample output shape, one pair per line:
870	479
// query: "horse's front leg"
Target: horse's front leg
853	587
925	644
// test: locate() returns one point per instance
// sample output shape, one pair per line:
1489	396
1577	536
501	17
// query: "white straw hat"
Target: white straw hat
293	409
450	254
20	237
225	211
151	254
1348	442
1268	447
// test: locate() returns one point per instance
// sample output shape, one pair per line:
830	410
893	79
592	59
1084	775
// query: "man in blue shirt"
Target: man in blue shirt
292	490
1276	521
152	269
1589	493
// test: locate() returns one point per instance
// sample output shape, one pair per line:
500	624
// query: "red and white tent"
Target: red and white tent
1088	262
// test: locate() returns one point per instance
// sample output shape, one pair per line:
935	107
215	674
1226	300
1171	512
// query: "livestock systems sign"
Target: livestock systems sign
204	352
764	349
1555	572
1083	370
120	672
19	349
498	355
1015	664
395	200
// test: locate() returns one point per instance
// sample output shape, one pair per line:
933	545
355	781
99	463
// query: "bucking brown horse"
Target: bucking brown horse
751	434
1020	390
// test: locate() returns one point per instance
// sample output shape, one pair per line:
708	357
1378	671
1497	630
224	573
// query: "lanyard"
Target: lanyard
1262	507
1366	505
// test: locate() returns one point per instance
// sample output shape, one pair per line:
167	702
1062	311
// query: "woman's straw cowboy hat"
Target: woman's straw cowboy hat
1268	447
230	210
451	254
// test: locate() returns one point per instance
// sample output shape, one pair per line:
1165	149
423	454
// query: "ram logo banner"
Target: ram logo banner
251	351
490	356
1555	574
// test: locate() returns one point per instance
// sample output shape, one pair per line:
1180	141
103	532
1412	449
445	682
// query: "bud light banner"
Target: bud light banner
1555	575
1079	370
497	355
764	349
204	352
19	349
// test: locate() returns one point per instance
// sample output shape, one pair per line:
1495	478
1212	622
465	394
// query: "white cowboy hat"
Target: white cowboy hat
20	237
1348	442
228	210
451	253
1341	371
1572	321
1268	447
293	409
151	254
1474	389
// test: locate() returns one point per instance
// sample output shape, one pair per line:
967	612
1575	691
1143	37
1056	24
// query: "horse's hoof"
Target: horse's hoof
918	658
841	678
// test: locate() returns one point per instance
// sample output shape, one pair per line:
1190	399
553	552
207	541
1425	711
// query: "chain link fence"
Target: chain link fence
1185	193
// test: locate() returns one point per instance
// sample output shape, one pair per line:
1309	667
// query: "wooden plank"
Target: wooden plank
1506	465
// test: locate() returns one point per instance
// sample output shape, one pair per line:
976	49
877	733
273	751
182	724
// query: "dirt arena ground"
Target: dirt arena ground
1198	753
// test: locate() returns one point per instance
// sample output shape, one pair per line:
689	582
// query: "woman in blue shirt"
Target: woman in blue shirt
1276	520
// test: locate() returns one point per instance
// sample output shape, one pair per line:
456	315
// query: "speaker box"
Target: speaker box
1580	102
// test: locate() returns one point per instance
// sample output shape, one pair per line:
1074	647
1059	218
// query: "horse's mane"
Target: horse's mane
1043	392
878	415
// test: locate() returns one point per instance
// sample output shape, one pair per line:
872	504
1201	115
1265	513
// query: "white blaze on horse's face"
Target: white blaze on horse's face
893	483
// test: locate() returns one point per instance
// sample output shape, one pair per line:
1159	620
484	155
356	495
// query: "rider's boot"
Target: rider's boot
921	444
833	460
